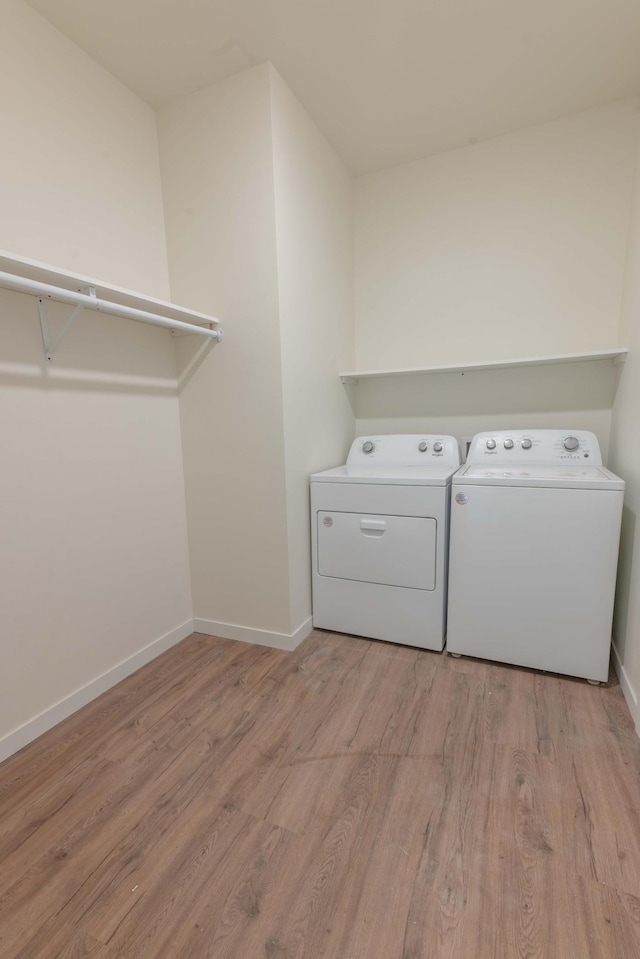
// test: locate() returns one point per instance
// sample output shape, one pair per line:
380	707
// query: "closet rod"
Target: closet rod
91	302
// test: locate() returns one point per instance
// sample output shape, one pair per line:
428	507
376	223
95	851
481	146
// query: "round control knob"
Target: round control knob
526	444
437	447
571	443
491	444
508	444
368	447
423	447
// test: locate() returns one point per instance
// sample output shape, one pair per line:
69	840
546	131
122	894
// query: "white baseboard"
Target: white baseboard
25	734
629	692
259	637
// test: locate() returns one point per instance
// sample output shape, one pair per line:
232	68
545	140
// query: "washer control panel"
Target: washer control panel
405	449
542	447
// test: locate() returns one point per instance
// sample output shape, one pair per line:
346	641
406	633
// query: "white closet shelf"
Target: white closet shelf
616	355
47	282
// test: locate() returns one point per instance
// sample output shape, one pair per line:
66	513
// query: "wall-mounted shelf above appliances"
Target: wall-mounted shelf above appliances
83	293
616	355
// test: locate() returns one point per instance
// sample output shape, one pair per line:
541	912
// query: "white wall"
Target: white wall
259	225
314	234
94	562
511	247
80	170
625	460
570	396
217	168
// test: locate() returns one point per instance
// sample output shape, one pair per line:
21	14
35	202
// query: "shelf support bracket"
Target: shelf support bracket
50	346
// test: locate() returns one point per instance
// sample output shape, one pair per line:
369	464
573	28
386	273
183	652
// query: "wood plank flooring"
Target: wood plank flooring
350	800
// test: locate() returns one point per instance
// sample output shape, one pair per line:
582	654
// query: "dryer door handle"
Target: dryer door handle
372	526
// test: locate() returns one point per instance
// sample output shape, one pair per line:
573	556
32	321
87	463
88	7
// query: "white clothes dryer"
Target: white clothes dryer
379	530
535	529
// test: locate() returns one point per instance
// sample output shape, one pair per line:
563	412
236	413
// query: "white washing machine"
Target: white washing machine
535	529
379	530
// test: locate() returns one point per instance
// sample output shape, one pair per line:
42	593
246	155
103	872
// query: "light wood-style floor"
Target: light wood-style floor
351	800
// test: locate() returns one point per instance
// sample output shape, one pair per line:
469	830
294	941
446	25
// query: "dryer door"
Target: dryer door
373	548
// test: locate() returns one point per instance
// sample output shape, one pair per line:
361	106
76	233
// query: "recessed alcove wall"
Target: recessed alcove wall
563	395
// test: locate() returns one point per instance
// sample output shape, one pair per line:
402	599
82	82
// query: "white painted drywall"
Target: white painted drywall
217	168
512	247
625	460
314	236
94	560
259	226
80	170
563	396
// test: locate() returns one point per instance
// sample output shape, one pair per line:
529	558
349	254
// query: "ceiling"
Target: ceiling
387	81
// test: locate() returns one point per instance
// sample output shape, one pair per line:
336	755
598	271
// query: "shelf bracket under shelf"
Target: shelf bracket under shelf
50	346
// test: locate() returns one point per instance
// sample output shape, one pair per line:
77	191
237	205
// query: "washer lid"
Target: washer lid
556	477
388	475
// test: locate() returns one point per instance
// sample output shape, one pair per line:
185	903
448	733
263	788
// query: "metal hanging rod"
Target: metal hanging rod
89	301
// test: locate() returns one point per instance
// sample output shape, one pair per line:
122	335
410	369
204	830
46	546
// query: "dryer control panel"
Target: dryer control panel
405	449
536	447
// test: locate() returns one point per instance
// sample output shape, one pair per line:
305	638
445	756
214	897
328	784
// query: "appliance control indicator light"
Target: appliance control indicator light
571	443
526	444
423	447
491	444
508	444
437	447
368	447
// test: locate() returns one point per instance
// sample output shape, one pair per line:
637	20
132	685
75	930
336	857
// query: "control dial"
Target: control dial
437	447
526	444
491	444
508	444
423	447
571	443
368	447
